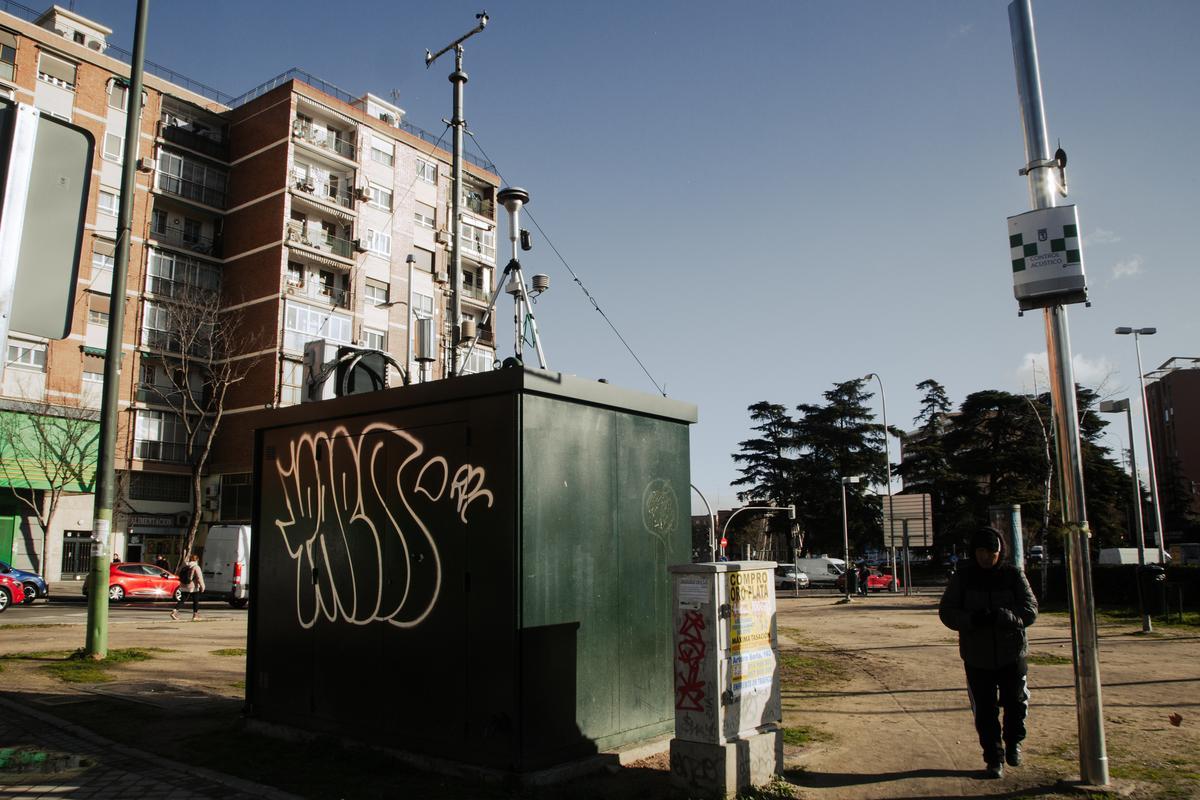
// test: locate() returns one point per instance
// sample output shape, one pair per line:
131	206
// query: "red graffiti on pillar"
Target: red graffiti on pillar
689	689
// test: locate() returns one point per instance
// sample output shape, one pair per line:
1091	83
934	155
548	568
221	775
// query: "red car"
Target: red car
11	591
876	581
127	579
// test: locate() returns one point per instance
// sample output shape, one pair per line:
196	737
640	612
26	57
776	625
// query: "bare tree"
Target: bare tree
48	450
199	352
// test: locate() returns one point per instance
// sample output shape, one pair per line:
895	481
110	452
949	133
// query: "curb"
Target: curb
248	787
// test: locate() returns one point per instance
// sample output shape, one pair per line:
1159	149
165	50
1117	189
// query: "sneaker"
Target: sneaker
175	615
1012	754
995	770
195	617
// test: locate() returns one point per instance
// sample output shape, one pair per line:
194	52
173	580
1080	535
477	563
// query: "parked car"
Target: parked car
11	591
128	579
788	577
34	585
821	570
876	581
1036	555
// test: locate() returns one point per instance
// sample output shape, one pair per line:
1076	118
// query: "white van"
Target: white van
821	570
227	563
1128	555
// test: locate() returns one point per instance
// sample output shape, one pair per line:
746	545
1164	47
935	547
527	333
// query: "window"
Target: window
156	486
376	340
159	436
118	95
93	378
192	179
108	203
102	265
380	197
97	317
383	151
422	305
158	222
8	55
375	292
426	170
57	71
113	146
423	216
295	274
379	242
291	382
191	231
27	355
479	241
237	497
304	323
479	361
77	37
173	275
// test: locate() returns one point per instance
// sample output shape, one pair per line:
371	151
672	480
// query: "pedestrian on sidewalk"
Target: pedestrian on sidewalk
990	604
191	582
864	573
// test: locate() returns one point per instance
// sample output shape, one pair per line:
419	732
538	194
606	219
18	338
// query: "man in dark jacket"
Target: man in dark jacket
990	604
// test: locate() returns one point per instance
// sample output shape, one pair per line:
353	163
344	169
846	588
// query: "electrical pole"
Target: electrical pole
97	628
1093	758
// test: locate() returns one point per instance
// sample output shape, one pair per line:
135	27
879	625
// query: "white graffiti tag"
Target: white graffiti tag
355	523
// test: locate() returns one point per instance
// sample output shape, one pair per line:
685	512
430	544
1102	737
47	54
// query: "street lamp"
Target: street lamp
887	462
1116	407
846	535
790	509
712	520
1158	523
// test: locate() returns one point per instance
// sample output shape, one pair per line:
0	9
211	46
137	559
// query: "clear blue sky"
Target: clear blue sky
771	197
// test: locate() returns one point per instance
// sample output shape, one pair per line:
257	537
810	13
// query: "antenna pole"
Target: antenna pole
458	78
1093	757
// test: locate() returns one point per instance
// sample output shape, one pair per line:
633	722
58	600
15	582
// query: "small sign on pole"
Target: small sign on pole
911	514
1047	258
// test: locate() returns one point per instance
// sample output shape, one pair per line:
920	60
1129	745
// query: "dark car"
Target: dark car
128	579
35	585
11	592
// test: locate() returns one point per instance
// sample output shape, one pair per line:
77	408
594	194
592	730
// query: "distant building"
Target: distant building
317	214
1173	401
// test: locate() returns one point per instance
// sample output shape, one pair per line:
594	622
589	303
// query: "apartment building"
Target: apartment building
1173	401
310	212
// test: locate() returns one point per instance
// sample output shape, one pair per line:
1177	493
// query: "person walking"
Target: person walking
864	573
191	582
990	604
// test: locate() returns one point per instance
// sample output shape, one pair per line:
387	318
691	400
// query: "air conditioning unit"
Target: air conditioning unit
467	330
442	237
362	193
145	165
359	247
304	186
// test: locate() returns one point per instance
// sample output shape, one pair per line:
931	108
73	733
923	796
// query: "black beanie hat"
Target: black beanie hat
988	538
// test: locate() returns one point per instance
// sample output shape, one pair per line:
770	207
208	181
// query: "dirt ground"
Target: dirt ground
873	692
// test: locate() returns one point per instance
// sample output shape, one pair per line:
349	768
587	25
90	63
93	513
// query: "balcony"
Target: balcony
318	241
478	244
330	295
178	237
475	293
197	142
476	203
173	452
319	137
191	190
322	192
170	396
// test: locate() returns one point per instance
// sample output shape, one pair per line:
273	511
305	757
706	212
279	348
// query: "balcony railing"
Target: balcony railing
319	240
207	145
169	395
475	293
174	452
322	294
322	138
191	190
479	205
322	191
178	236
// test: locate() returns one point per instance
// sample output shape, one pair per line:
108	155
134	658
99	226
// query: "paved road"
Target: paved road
57	612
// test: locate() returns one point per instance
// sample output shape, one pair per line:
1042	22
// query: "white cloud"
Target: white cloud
962	30
1034	371
1127	268
1101	236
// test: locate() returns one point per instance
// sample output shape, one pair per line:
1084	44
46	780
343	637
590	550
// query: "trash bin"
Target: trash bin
1152	580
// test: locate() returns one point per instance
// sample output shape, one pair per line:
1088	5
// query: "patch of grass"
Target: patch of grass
229	651
29	625
1047	659
777	789
801	735
795	667
78	667
239	685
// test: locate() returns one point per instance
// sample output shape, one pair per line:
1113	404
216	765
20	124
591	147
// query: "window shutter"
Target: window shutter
57	68
99	302
104	247
7	38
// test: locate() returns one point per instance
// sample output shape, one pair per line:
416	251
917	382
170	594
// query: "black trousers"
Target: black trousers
993	689
195	596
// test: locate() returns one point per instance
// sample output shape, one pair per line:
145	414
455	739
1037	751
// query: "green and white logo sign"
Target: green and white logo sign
1047	259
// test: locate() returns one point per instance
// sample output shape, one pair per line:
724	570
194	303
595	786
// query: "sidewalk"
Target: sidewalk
97	768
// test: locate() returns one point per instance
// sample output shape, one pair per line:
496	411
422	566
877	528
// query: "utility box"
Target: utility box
474	569
727	704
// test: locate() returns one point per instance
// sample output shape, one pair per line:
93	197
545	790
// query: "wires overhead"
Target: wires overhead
574	276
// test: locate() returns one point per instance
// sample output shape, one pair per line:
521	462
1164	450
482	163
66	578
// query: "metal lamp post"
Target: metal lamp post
1158	523
846	535
887	462
1117	407
790	509
712	520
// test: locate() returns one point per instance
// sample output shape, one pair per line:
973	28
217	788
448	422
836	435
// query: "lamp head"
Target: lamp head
1114	406
1146	331
1123	331
850	479
512	198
